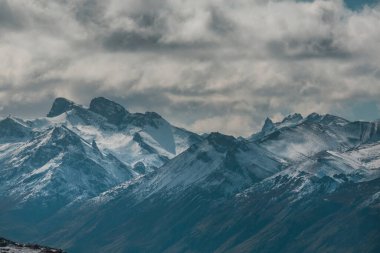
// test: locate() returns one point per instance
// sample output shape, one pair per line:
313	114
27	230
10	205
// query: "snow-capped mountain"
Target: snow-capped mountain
13	130
57	164
76	153
146	140
103	179
297	138
134	138
309	201
219	163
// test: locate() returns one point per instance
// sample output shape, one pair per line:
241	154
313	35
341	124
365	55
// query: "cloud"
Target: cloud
233	124
218	65
8	19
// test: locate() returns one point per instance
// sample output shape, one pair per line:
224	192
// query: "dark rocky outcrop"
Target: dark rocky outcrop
112	111
11	246
60	105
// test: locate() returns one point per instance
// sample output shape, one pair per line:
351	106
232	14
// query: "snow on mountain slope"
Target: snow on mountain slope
13	130
297	138
368	155
8	246
329	195
57	163
77	153
220	163
223	162
134	138
327	171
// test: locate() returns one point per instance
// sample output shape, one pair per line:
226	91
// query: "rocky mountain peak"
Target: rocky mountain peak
112	111
293	118
60	105
314	117
268	125
221	142
10	128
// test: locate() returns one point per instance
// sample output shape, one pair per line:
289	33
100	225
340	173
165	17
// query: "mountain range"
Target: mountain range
103	179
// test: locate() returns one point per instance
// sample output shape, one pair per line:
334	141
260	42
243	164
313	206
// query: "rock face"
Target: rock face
12	129
8	246
268	125
60	106
101	179
112	111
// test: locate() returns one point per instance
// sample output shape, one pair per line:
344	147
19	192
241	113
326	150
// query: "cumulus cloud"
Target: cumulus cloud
219	65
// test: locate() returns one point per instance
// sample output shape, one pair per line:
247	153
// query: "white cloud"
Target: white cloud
211	65
233	124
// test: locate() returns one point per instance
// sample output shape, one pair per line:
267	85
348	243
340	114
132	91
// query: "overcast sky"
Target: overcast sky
207	65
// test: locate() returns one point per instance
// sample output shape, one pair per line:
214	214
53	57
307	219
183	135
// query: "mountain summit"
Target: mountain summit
60	105
112	111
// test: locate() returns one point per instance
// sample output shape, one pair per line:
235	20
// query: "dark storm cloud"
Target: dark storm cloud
205	65
364	69
125	40
120	40
8	18
90	11
220	24
309	49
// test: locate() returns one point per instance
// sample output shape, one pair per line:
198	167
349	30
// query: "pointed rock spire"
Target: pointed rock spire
268	125
96	148
60	106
